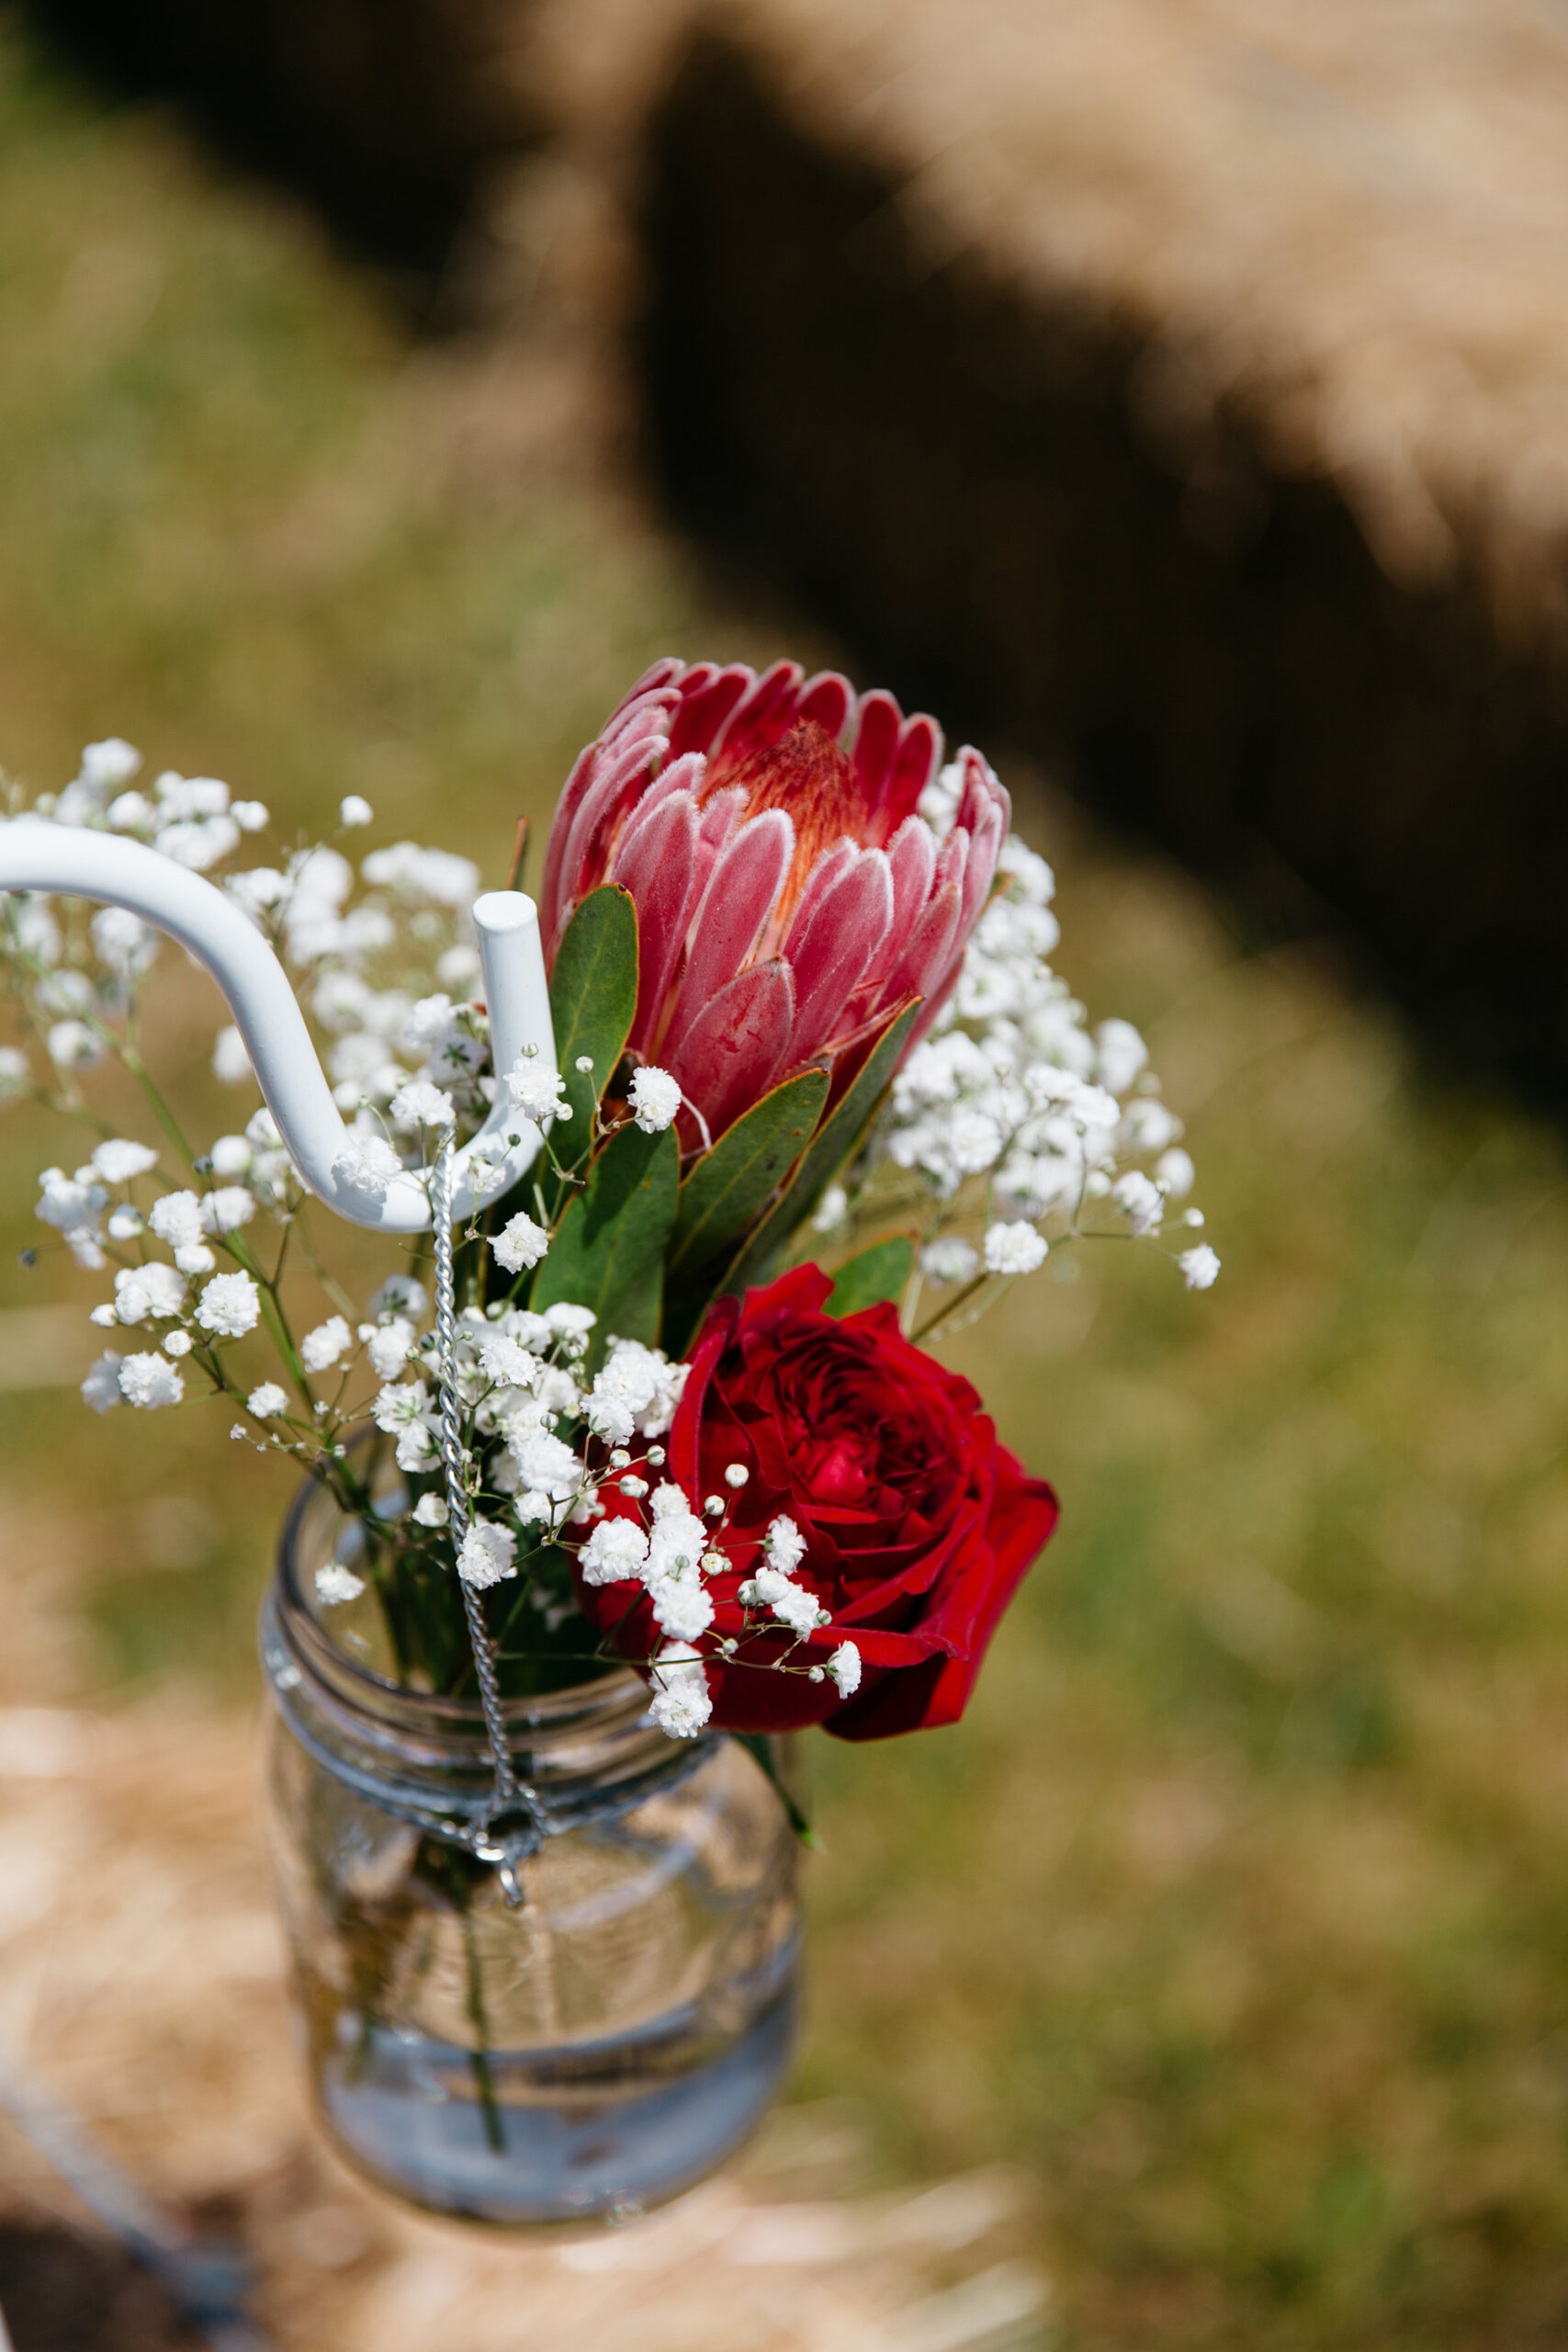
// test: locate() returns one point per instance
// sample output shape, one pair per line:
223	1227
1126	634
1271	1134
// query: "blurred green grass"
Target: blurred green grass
1235	1913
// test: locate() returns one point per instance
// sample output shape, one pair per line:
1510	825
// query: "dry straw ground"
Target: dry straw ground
140	1968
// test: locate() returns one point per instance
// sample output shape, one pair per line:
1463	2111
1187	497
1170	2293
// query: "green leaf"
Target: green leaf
877	1273
728	1191
837	1139
760	1747
593	1003
608	1249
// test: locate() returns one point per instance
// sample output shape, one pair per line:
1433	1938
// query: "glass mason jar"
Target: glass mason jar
597	2048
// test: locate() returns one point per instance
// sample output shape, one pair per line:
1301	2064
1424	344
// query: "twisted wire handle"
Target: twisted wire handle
509	1791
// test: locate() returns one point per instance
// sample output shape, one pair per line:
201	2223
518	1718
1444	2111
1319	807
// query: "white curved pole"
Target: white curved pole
80	862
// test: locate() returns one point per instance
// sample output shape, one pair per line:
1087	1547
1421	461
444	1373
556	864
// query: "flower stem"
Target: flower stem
478	2057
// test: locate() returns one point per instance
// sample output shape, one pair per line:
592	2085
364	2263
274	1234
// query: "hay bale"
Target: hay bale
1178	386
1183	387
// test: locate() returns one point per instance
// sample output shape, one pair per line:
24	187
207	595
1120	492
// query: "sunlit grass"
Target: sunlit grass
1235	1912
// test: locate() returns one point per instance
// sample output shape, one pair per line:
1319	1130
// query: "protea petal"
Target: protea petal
913	858
984	848
828	699
914	762
766	714
707	697
980	791
924	952
721	816
736	907
677	776
830	869
616	785
659	675
659	868
953	861
876	740
846	931
729	1057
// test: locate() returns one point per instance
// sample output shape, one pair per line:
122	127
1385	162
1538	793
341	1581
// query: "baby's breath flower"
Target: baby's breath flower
195	1258
15	1074
616	1550
655	1100
388	1345
735	1474
791	1603
949	1259
399	1295
367	1164
1140	1201
1015	1249
71	1045
336	1584
232	1157
176	1343
231	1062
845	1666
831	1211
326	1345
485	1555
431	1510
681	1608
267	1401
229	1306
1200	1267
176	1219
784	1544
227	1209
150	1380
101	1388
520	1243
1174	1173
143	1293
538	1090
681	1704
420	1104
116	1161
400	1405
355	811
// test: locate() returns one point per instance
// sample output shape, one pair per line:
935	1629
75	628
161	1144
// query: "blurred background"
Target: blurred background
1172	395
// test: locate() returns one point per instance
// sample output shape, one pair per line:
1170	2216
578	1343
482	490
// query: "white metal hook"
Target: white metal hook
81	862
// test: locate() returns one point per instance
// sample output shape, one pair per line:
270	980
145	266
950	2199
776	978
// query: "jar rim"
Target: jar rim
602	1695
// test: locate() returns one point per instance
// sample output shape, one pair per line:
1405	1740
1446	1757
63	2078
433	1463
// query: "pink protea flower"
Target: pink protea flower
790	896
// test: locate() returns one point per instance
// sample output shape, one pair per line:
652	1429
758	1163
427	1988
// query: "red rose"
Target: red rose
918	1525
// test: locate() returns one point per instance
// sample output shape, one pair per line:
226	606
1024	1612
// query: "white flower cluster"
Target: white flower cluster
517	1378
192	818
148	1291
395	1056
670	1558
1013	1112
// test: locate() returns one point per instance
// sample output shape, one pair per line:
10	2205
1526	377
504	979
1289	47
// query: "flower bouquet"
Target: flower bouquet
635	1461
